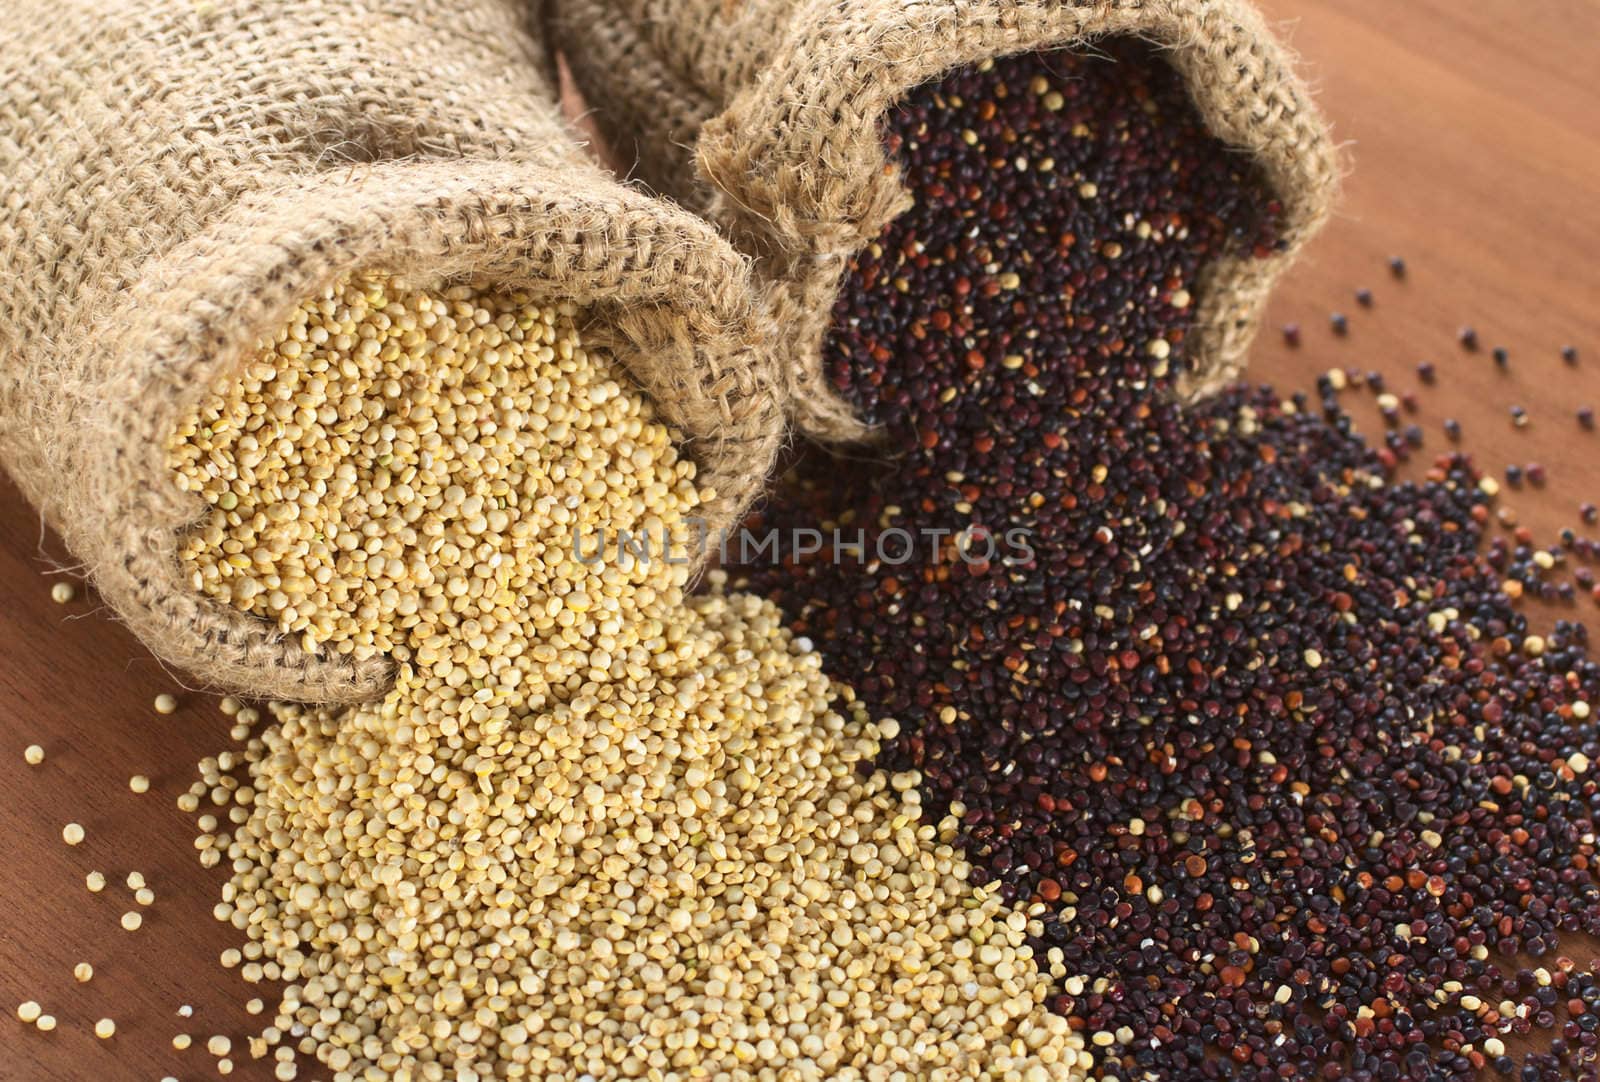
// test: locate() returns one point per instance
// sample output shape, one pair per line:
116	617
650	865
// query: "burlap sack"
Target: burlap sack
767	115
176	174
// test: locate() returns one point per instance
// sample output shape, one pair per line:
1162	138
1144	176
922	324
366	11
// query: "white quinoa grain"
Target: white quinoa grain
598	826
83	972
131	921
72	834
166	703
62	592
33	755
105	1029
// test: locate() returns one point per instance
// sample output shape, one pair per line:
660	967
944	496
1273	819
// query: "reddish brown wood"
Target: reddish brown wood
1472	136
76	683
1475	151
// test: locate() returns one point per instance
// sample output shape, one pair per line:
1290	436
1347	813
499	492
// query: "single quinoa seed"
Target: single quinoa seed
83	972
166	703
72	834
33	755
62	593
105	1029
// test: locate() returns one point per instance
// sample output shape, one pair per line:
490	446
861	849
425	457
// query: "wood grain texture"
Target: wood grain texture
1474	143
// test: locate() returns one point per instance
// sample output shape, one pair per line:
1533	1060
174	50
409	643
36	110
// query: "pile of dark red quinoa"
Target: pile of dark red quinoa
1247	722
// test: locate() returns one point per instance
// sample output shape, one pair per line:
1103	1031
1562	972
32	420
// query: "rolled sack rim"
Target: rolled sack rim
797	196
611	252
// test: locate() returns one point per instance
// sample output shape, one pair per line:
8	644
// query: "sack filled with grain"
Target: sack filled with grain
176	177
769	116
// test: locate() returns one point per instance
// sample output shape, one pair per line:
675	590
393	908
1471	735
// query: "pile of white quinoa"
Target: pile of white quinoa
598	827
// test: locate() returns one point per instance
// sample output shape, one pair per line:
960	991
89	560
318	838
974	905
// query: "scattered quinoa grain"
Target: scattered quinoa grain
28	1012
82	972
166	703
131	921
72	834
105	1029
62	593
139	783
1369	772
586	786
33	755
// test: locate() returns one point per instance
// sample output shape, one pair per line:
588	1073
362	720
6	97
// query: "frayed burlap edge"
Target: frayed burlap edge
647	114
660	288
800	178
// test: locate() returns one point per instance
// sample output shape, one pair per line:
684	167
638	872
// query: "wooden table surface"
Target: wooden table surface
1473	136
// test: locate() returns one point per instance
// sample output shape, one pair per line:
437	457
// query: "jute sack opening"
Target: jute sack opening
768	115
175	177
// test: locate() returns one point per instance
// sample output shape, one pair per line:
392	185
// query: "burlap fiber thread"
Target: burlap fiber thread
767	115
175	175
